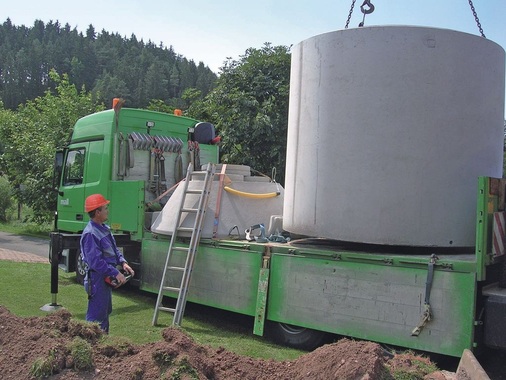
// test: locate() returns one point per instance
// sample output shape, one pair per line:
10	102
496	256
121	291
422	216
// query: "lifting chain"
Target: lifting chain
366	8
349	14
476	18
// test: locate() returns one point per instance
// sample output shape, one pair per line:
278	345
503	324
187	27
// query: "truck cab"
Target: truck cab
133	157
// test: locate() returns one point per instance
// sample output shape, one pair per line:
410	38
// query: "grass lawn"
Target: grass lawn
26	287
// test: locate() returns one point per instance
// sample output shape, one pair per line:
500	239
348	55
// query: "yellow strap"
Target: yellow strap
250	195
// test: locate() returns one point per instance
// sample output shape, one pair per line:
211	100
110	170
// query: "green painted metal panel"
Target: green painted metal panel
261	308
482	227
103	124
382	303
490	200
223	278
127	207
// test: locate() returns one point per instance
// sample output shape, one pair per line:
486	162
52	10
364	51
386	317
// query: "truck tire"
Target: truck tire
296	337
80	271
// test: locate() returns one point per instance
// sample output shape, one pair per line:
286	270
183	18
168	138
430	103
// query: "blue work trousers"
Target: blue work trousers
99	300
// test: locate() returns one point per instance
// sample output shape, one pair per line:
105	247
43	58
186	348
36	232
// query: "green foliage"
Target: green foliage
108	87
5	198
172	368
416	371
24	226
190	96
160	106
81	352
183	370
163	358
249	107
33	133
45	366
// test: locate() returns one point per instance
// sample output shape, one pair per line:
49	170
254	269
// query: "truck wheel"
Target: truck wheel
297	337
80	268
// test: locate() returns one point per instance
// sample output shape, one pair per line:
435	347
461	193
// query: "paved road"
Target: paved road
13	246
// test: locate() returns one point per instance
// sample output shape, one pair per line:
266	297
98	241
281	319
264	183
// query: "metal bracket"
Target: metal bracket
260	238
427	313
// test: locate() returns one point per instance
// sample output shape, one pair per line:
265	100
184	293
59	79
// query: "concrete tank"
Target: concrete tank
388	130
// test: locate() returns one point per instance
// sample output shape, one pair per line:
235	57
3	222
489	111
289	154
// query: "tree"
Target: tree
109	87
33	133
156	82
159	106
5	198
190	96
249	107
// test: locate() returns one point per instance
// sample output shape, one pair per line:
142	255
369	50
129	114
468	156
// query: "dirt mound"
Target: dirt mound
25	340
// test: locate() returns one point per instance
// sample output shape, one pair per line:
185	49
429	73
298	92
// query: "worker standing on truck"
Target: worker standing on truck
102	258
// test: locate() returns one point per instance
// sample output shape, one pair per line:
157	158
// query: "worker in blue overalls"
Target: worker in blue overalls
102	258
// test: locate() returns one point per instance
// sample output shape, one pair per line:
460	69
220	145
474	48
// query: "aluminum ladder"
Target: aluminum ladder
189	252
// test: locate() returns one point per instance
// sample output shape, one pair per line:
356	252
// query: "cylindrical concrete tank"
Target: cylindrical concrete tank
389	128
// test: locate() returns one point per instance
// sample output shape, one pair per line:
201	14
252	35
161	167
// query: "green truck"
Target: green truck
440	300
378	233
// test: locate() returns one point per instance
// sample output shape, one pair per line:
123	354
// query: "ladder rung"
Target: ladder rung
194	191
180	249
181	269
169	309
171	288
185	229
189	210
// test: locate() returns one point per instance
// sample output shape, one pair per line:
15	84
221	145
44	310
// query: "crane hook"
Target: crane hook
368	10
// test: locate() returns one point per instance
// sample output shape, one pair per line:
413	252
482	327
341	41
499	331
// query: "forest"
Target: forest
106	64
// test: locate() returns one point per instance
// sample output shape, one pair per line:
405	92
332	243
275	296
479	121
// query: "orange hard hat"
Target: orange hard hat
95	201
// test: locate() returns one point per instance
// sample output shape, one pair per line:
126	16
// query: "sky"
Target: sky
213	31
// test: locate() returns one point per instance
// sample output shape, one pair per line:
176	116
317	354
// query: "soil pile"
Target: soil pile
23	341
